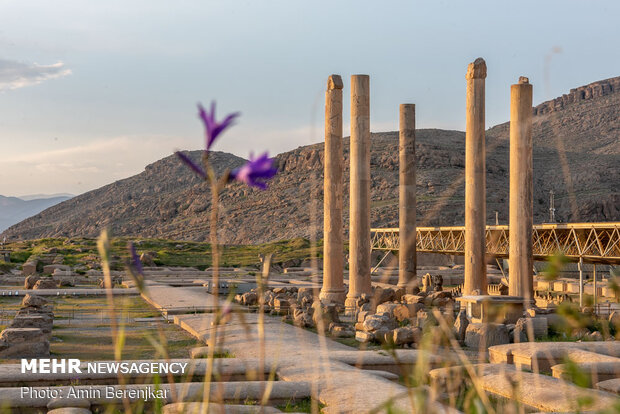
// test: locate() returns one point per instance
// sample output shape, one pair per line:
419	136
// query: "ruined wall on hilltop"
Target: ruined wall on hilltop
582	93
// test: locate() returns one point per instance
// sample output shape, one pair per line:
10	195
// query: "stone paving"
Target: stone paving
234	391
541	356
536	392
67	291
307	357
342	378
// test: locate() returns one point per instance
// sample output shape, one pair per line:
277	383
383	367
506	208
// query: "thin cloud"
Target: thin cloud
15	75
84	166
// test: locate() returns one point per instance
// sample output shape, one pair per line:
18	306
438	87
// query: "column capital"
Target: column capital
334	82
477	69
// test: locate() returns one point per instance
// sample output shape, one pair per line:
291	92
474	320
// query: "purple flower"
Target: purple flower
255	171
212	127
134	260
191	164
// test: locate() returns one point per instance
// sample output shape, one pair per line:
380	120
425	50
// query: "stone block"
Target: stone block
45	311
403	312
544	285
50	269
21	335
29	268
30	281
425	318
303	317
414	308
559	286
342	331
440	298
525	327
405	335
305	294
362	315
392	309
364	337
70	410
281	304
595	336
328	312
32	321
23	343
460	325
268	299
382	295
249	298
39	349
367	307
484	335
378	322
34	301
45	283
410	299
541	326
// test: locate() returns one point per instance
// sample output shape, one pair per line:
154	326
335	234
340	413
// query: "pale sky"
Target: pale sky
92	91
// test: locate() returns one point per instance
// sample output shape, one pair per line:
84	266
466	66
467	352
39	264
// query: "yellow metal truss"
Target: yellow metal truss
592	242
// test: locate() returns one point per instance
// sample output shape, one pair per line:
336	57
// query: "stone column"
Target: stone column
520	257
475	182
333	254
406	198
359	199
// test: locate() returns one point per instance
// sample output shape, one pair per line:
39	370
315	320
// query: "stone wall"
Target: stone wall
591	91
28	334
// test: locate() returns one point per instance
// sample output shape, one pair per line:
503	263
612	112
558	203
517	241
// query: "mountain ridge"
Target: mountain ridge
576	154
15	209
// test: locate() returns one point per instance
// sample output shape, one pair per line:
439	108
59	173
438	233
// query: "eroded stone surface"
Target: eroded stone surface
485	335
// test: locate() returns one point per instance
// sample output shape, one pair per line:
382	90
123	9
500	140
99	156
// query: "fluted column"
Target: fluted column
521	196
333	255
475	182
406	198
359	199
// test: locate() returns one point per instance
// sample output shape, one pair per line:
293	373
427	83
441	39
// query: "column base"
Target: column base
332	296
350	304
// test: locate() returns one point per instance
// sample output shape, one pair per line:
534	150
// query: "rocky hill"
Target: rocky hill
576	154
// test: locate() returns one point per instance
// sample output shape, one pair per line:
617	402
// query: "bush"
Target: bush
6	267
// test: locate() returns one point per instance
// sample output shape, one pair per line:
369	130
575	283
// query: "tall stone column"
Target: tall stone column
406	197
359	199
521	194
333	254
475	182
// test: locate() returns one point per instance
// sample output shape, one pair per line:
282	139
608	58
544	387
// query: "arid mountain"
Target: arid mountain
576	154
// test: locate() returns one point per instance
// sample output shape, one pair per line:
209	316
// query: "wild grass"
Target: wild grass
78	251
303	405
94	343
